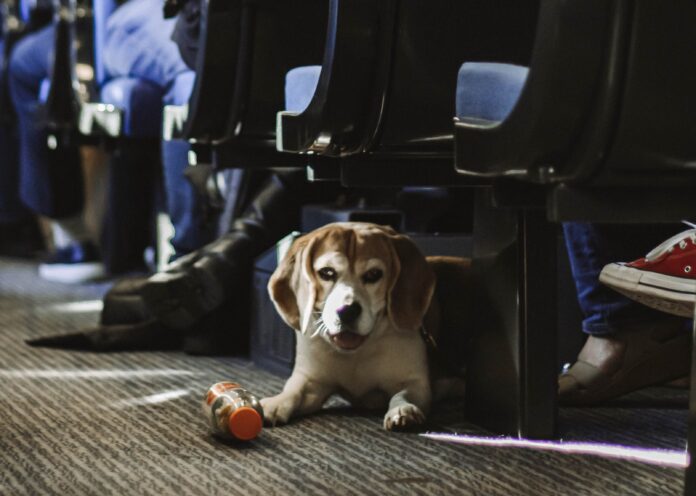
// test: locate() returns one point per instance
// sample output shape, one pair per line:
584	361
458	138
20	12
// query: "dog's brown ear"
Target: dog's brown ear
413	287
286	286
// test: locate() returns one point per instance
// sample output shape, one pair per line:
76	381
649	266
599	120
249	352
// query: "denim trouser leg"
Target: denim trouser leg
11	207
590	248
50	181
184	205
138	45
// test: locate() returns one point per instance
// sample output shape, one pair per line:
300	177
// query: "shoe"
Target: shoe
653	353
75	263
21	239
665	279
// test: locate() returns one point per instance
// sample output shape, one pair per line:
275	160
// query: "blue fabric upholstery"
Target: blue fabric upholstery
180	90
102	9
141	102
488	91
300	85
25	7
44	89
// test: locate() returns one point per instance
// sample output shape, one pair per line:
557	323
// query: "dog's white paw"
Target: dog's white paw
277	409
403	417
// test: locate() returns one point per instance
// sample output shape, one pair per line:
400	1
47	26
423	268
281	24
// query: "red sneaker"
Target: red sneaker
665	279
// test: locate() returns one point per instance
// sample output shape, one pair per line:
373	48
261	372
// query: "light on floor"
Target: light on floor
91	373
151	399
667	458
78	306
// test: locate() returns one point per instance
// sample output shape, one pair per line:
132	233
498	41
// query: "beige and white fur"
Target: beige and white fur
377	359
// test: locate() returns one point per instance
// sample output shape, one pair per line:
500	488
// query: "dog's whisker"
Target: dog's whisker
317	328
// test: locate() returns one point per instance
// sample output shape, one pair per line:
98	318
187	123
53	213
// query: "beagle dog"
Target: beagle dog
359	296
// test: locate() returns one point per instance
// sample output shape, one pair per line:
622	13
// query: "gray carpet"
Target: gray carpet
130	423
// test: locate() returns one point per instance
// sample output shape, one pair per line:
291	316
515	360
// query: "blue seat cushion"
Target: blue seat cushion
141	102
180	91
300	85
488	91
44	89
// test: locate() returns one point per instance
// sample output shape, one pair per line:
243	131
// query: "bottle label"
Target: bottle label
220	388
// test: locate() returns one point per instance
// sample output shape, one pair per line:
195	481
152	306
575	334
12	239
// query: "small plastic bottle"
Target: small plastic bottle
233	412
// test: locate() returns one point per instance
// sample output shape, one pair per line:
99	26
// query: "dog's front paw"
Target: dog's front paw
277	409
403	417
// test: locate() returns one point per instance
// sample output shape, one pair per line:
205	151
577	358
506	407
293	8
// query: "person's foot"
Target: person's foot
665	279
75	263
610	366
20	239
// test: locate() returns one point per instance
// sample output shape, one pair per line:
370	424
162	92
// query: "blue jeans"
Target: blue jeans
138	45
590	248
11	207
184	206
50	181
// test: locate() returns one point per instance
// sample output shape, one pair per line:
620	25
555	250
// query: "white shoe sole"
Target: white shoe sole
72	273
669	294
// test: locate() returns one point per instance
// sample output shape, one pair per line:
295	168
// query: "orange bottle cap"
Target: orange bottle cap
245	423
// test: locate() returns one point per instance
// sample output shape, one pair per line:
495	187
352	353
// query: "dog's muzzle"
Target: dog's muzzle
348	315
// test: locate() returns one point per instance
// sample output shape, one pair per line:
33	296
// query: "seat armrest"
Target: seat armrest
174	118
224	45
573	82
338	121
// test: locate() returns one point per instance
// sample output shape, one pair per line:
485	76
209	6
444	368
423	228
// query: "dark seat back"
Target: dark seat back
390	68
567	103
247	49
222	43
654	140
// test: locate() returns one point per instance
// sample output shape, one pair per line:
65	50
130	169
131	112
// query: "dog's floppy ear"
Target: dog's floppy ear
413	286
290	282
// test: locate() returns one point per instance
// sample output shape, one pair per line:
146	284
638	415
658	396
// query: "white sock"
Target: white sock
69	230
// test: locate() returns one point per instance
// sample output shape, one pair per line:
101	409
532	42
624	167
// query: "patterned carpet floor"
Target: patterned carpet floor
131	423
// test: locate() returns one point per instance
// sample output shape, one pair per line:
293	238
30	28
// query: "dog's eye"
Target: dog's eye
327	274
372	275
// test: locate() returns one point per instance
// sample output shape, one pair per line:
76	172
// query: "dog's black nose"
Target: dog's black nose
348	314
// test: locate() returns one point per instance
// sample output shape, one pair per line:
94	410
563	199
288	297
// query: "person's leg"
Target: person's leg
138	44
629	345
50	180
20	235
193	227
590	247
19	232
11	207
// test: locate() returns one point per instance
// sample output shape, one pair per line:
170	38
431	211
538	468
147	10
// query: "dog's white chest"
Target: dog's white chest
383	364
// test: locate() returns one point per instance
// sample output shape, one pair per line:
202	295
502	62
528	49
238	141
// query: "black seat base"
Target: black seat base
511	366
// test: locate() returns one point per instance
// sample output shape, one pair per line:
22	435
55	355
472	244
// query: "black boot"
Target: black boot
201	301
221	271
